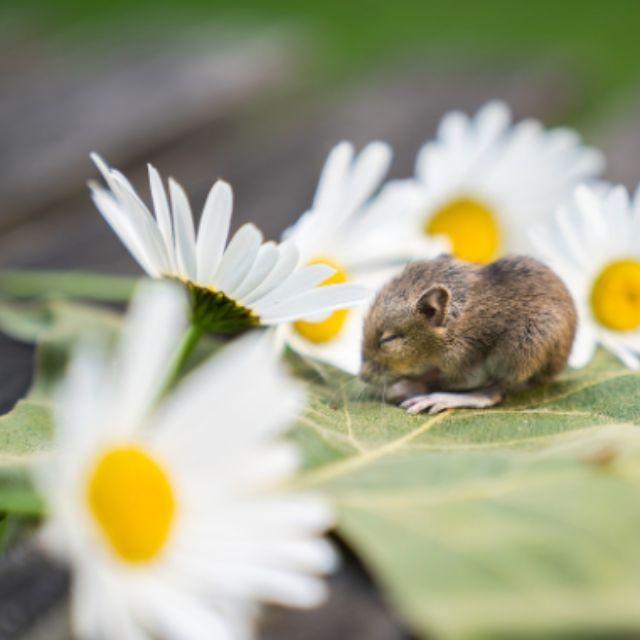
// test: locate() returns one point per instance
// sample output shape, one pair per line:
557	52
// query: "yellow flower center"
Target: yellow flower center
471	227
615	296
131	498
329	329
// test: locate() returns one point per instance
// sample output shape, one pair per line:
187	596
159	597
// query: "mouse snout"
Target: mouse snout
370	372
365	373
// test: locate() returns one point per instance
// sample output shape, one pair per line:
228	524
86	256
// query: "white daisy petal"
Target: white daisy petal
627	357
141	219
155	322
589	205
298	282
368	171
138	215
280	587
85	387
163	213
184	232
329	298
453	127
491	121
273	466
124	229
176	615
310	556
343	352
345	184
288	260
332	178
266	260
238	259
584	347
192	399
86	604
598	260
214	230
636	202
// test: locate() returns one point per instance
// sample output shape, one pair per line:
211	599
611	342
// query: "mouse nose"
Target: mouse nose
366	372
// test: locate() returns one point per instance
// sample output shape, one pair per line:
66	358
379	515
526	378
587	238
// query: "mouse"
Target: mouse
448	334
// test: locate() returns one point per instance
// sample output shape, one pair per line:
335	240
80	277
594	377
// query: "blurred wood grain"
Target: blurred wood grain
189	116
618	135
123	102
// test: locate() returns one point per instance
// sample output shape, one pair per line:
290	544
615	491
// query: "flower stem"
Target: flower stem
187	344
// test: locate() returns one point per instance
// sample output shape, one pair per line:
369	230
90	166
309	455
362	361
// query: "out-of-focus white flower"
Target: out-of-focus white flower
234	286
171	513
594	245
361	237
484	180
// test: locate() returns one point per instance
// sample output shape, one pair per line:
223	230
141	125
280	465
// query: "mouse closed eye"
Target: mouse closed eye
387	338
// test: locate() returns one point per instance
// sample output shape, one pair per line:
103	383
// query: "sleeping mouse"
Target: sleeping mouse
449	334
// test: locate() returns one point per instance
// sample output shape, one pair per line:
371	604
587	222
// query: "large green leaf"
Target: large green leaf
25	434
71	284
521	520
55	321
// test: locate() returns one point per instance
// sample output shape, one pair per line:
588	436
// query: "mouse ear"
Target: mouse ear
433	304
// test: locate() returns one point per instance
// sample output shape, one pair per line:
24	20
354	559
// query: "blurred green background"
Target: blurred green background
599	42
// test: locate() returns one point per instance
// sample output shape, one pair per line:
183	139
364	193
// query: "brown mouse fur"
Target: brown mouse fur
452	326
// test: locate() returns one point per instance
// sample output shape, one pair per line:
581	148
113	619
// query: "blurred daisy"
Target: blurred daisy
359	238
593	245
248	283
484	180
170	514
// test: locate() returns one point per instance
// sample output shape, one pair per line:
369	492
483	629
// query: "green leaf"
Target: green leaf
25	436
17	494
25	432
66	284
520	520
55	321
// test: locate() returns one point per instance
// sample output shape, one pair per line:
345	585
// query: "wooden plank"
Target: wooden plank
58	105
272	156
619	138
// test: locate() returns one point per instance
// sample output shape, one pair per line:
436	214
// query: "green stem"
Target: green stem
188	343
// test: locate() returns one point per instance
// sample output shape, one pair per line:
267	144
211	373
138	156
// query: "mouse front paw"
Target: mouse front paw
438	402
423	402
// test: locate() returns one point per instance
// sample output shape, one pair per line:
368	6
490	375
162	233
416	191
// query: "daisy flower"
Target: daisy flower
172	513
245	283
359	238
484	180
593	245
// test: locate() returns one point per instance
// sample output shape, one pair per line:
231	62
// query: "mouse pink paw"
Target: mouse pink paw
441	401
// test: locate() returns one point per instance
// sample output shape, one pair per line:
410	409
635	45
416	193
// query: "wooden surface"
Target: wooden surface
271	151
121	101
